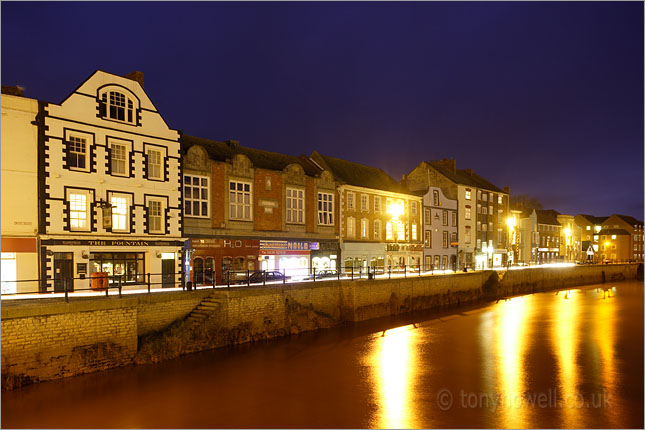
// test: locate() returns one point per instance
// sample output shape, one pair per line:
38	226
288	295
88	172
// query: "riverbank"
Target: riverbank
45	340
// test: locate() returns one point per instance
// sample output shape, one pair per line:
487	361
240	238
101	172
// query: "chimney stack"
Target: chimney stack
233	144
448	163
469	171
507	190
13	91
135	76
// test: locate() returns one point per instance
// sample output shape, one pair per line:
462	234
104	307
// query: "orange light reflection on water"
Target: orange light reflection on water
510	340
393	359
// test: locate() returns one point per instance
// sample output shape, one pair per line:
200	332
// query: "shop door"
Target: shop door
167	273
63	271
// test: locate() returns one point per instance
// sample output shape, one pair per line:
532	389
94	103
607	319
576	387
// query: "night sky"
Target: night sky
544	97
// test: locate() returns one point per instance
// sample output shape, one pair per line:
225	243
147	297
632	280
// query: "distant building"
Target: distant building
570	238
541	231
380	219
634	228
483	211
590	227
614	245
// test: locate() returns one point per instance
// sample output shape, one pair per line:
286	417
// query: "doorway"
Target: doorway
63	271
167	273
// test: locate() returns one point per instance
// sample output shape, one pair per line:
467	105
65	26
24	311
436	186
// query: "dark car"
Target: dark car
271	276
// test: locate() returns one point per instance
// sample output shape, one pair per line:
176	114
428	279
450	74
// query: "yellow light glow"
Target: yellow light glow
511	222
613	236
567	232
597	228
396	209
606	243
394	360
565	335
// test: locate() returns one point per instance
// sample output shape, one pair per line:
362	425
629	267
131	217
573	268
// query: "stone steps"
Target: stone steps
205	309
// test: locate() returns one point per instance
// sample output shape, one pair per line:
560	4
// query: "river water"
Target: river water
550	360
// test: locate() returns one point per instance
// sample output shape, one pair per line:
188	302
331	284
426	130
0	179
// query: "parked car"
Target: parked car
271	276
327	273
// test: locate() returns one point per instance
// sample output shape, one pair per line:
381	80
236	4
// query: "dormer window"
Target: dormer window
118	106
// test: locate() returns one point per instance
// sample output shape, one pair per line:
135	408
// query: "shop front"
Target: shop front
361	255
72	264
326	257
293	258
217	259
19	269
399	255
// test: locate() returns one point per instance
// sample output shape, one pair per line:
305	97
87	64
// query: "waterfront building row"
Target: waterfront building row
100	183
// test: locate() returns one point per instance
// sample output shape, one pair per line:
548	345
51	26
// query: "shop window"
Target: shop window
77	153
196	196
8	273
156	223
203	270
239	201
127	265
295	206
325	209
120	212
155	164
79	210
119	165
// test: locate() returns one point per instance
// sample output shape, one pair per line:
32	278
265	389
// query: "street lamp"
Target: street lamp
511	240
567	235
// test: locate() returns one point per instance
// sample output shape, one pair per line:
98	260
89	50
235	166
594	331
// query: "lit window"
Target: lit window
499	199
118	159
413	209
154	164
467	194
484	210
325	209
239	201
454	219
388	231
467	212
78	211
454	236
445	239
195	196
414	232
613	236
119	213
364	203
155	217
351	227
295	206
365	228
77	152
115	105
445	217
427	216
377	229
485	197
377	204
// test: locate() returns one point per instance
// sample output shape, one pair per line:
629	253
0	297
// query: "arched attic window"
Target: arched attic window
116	104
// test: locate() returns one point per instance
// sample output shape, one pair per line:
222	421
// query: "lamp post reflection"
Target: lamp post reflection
394	362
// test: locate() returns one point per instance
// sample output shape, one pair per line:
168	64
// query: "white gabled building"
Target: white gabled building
110	191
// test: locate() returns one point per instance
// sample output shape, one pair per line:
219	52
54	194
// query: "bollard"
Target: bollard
265	278
284	276
352	272
419	270
389	272
405	271
314	274
120	284
228	279
212	279
66	294
338	274
148	282
248	278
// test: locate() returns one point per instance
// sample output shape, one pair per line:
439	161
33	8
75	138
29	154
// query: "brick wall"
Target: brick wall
267	218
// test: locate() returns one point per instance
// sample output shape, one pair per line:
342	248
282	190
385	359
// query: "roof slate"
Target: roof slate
463	177
222	151
547	216
630	220
360	175
594	219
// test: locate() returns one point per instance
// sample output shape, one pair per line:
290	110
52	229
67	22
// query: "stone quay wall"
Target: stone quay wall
46	339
